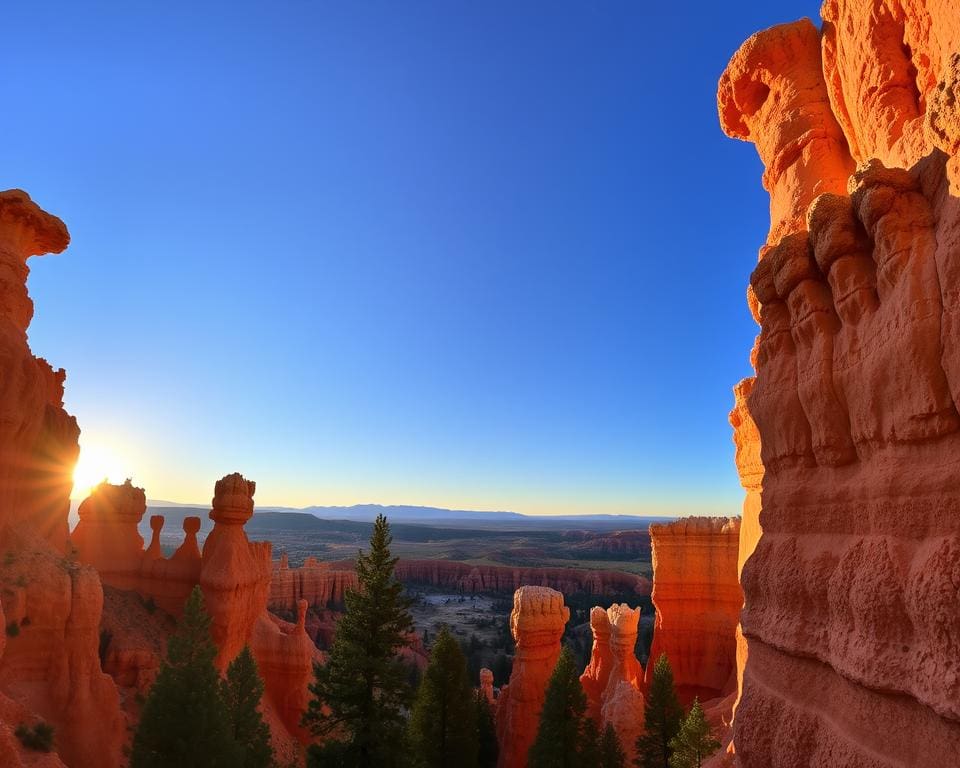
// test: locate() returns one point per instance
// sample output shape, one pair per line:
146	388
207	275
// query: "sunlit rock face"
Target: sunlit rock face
613	679
49	668
852	586
697	597
536	622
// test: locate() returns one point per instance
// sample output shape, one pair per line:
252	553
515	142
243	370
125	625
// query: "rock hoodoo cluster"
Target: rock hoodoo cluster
613	679
846	435
697	596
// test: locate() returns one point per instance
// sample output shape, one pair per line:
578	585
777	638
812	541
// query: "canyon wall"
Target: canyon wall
846	436
697	597
537	622
322	584
49	668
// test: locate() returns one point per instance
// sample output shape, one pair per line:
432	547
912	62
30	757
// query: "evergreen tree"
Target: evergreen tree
185	721
590	744
361	693
487	748
443	725
611	753
694	743
661	718
559	736
242	690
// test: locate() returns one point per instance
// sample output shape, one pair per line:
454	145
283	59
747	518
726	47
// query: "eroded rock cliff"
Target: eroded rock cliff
850	622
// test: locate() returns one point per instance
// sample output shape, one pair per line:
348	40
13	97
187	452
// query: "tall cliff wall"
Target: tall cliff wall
697	597
49	667
851	624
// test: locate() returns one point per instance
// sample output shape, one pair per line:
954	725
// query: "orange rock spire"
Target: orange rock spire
536	622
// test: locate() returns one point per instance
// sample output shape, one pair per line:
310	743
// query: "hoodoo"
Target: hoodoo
537	622
851	589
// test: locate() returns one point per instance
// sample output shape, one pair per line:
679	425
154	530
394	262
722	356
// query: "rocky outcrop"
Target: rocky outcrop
322	584
536	622
49	669
697	597
613	679
851	587
486	685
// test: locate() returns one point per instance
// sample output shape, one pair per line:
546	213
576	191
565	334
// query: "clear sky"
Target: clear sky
478	255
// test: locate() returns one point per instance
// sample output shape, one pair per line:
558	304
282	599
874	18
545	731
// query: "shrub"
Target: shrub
38	738
13	629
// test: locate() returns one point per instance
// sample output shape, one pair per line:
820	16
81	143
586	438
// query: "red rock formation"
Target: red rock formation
235	574
698	598
537	624
620	543
106	535
486	685
613	678
851	590
50	669
322	584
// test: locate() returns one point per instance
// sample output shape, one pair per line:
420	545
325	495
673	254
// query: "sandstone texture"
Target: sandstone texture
537	623
697	597
49	668
613	680
850	543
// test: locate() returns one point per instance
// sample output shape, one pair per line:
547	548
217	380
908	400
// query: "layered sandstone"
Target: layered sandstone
49	669
851	590
536	622
697	597
322	584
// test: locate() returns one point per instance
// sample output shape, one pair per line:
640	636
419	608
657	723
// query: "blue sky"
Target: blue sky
478	255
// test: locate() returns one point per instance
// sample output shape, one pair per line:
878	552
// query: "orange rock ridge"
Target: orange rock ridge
536	622
851	589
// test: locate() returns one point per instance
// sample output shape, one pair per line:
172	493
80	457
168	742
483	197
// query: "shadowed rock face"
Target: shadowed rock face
537	622
50	669
851	587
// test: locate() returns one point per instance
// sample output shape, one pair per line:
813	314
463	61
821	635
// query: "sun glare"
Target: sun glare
95	465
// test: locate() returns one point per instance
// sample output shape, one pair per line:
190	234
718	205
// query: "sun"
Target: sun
96	464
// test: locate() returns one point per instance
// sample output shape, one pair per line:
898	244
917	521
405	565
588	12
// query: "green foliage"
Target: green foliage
589	744
185	722
611	752
487	748
694	743
39	738
241	691
443	724
13	629
361	694
661	718
561	721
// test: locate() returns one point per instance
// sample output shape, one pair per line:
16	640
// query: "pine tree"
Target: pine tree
487	748
661	718
611	752
590	744
561	721
443	725
185	721
242	691
694	743
361	693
